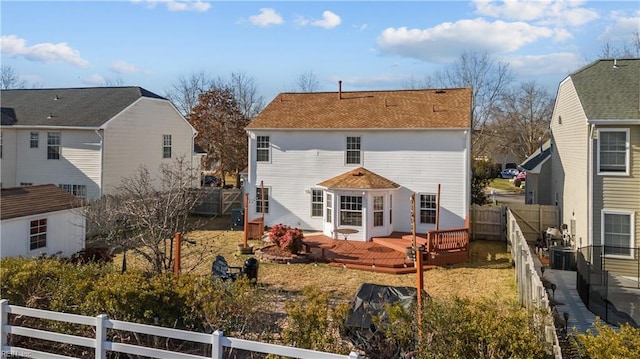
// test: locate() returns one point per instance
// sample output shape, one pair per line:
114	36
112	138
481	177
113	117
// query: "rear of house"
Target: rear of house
328	161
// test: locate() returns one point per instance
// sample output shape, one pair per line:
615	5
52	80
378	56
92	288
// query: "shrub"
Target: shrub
287	238
607	342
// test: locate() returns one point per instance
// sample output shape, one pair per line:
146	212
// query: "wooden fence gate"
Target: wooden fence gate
231	198
218	201
489	222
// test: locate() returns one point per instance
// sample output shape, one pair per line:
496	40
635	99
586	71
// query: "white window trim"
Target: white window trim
346	150
321	203
46	239
632	227
268	149
419	214
627	157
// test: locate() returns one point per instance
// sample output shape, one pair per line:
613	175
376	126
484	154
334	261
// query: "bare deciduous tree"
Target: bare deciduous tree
113	81
184	93
307	82
521	120
146	212
628	50
220	124
245	93
9	79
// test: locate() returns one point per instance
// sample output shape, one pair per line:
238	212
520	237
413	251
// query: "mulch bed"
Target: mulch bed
276	254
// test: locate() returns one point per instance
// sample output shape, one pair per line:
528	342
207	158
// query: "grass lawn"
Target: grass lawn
489	273
505	185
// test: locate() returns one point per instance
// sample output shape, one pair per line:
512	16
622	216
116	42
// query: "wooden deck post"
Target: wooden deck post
246	220
176	250
418	263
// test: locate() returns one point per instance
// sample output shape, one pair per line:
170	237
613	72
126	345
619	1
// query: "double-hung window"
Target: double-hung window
262	202
78	190
617	234
353	155
351	211
378	211
53	145
316	202
329	207
34	140
166	146
263	149
38	234
428	208
613	151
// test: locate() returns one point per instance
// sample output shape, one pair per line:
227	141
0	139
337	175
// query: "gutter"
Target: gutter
590	187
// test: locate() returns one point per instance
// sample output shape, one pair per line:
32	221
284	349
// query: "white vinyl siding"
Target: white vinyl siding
617	233
613	151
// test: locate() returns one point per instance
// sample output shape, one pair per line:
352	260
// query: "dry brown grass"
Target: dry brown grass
489	273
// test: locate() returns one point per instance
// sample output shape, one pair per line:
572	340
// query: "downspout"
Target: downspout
101	185
590	187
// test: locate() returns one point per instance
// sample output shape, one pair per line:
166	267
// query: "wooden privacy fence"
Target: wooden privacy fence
489	222
101	344
218	201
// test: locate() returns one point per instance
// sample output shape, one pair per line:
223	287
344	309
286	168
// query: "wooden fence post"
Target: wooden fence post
4	321
101	336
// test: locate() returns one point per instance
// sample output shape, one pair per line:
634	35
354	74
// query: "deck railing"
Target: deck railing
447	239
101	343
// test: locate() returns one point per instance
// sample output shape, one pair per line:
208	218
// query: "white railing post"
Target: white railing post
101	336
216	344
4	320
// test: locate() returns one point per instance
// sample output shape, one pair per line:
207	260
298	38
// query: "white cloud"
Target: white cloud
622	28
267	17
559	13
446	41
360	27
556	64
13	46
301	21
122	67
198	6
329	20
94	80
377	81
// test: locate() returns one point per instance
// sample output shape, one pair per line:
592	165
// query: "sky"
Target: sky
368	45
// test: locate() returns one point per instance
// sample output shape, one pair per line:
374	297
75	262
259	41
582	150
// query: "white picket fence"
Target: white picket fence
102	345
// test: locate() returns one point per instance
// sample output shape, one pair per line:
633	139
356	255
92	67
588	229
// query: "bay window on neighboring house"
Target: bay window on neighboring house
428	208
166	146
353	155
316	202
53	145
351	211
613	151
378	211
38	234
329	208
262	202
263	149
617	233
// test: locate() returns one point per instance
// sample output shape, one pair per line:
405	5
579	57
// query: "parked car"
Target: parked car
210	181
522	176
509	173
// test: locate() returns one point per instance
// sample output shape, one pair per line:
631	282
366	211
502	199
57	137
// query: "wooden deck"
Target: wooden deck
386	255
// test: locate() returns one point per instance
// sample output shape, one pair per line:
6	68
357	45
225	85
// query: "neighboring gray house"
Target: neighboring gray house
86	140
538	183
40	220
596	159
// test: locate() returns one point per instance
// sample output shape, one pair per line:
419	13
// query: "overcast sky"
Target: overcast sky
369	45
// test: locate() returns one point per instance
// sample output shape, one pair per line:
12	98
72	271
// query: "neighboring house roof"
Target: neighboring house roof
448	108
609	89
31	200
539	157
72	107
359	178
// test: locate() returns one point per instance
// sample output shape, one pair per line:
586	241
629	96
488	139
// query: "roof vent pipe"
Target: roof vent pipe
340	89
615	63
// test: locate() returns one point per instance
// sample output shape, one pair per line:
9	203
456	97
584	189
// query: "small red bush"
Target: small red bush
287	238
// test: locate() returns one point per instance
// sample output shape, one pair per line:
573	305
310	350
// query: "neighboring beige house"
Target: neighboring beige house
351	160
40	220
596	159
86	140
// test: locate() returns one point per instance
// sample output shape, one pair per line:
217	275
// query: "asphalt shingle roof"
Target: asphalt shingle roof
31	200
73	107
359	178
537	157
448	108
609	92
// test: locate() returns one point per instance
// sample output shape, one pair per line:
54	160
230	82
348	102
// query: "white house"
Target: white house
596	160
40	220
86	140
352	160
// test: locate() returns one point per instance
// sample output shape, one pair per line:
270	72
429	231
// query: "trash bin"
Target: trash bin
562	258
237	218
250	269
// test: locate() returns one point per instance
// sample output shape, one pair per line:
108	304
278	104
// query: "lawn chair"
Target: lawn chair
221	269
